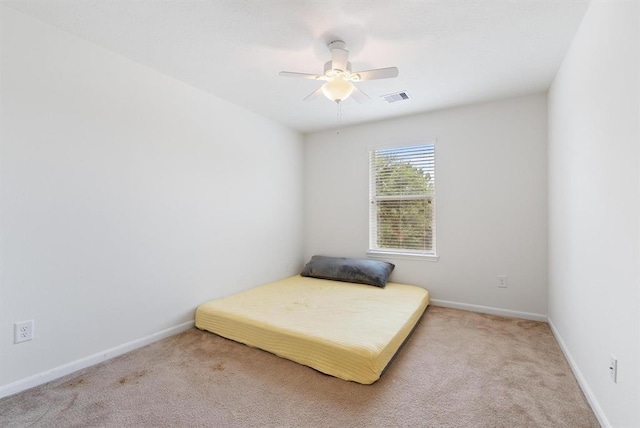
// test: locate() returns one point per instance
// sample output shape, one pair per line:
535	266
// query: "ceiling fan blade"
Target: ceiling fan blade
300	75
359	96
379	73
314	95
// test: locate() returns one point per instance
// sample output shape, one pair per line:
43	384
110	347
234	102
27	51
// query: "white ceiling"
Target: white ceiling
449	52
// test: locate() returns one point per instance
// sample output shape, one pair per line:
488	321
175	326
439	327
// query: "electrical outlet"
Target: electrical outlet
502	281
22	331
613	369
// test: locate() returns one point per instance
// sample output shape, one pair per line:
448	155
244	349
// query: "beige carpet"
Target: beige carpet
459	369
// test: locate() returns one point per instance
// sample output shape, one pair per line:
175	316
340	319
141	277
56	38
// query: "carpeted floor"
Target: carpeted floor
459	369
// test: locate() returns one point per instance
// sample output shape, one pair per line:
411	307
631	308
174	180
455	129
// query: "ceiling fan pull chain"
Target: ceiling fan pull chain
339	118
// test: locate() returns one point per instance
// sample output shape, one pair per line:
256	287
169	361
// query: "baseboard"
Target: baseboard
488	310
597	410
55	373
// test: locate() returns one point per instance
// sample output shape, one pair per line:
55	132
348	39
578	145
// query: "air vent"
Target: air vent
395	97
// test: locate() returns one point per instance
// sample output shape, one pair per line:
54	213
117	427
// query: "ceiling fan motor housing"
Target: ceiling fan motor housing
329	71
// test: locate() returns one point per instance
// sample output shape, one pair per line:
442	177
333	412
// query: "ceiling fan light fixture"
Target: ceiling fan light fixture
337	89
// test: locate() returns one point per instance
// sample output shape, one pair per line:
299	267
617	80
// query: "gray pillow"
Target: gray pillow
361	271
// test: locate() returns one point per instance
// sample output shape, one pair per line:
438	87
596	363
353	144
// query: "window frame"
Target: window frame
372	228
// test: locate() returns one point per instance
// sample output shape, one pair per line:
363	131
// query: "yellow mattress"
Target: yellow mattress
350	331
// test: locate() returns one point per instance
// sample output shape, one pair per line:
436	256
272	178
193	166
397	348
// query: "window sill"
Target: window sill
406	256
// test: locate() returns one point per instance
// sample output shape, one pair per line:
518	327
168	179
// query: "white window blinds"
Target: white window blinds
402	200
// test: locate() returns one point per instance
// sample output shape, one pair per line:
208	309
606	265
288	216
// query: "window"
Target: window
402	200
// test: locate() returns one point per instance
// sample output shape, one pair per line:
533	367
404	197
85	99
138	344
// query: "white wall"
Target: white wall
128	198
594	208
491	180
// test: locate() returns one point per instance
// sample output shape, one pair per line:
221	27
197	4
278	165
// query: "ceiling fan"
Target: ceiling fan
338	77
